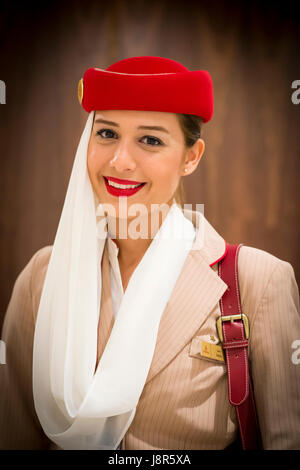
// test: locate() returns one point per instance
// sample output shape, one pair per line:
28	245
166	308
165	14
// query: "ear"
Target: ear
192	157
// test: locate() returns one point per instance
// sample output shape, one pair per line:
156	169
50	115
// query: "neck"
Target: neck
132	248
132	251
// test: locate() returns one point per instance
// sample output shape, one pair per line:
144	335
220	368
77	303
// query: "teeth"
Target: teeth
123	186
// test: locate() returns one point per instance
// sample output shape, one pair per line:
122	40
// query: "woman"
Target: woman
107	323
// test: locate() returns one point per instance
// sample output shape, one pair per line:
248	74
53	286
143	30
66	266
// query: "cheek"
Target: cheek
168	172
94	161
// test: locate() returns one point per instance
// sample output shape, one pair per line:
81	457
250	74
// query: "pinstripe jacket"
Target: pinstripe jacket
184	403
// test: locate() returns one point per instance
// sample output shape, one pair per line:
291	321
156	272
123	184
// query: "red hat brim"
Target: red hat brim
189	92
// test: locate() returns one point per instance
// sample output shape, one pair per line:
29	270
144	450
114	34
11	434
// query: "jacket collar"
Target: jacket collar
208	243
196	293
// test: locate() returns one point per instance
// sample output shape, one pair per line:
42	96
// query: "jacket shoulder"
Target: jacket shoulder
256	267
24	301
255	259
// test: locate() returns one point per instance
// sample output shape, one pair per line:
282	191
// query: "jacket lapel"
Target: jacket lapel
196	293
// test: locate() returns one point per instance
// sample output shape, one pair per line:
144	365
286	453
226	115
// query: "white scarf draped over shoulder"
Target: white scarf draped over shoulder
78	407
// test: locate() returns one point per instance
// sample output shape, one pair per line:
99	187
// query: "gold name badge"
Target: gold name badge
207	347
212	351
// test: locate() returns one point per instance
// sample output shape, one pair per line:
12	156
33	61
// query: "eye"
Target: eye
108	134
100	133
155	141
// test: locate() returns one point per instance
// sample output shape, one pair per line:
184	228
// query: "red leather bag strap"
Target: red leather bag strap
234	330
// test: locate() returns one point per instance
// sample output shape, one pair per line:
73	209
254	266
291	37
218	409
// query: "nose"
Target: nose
122	159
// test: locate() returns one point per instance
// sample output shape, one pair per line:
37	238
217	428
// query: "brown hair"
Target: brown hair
191	128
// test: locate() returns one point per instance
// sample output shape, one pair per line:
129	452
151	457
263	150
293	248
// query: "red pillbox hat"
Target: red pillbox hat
147	83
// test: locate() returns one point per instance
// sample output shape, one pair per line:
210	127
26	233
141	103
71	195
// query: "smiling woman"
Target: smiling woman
120	341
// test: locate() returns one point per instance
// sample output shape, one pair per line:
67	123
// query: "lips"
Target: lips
117	180
122	191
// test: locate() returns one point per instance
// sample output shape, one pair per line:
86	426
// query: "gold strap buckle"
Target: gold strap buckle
231	318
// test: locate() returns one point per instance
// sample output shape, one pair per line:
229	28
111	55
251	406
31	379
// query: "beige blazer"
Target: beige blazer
184	403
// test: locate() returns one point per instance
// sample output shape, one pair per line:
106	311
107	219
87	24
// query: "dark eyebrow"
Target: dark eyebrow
154	128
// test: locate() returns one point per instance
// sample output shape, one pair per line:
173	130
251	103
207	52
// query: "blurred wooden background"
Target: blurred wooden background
248	178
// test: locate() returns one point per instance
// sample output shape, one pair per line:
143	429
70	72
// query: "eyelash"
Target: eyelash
149	136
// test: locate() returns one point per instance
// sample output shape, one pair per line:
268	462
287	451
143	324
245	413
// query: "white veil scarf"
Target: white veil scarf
79	408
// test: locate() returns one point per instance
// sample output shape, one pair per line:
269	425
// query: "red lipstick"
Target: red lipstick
122	191
118	180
